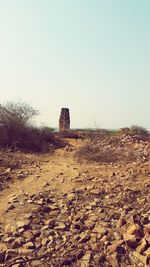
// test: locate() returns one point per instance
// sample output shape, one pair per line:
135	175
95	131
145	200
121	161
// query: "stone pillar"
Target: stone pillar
64	120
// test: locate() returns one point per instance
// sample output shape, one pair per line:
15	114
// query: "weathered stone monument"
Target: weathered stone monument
64	120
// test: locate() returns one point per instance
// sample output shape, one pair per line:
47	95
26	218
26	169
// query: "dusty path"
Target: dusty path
57	172
41	174
60	172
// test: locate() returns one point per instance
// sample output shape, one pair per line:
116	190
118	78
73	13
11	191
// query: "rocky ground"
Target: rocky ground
121	148
56	211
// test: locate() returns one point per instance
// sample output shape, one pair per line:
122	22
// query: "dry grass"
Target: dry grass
89	153
120	147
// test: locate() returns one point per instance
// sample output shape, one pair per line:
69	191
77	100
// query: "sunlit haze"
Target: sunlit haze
92	56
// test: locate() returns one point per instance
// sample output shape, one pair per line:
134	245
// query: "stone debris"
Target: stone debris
62	231
122	148
3	249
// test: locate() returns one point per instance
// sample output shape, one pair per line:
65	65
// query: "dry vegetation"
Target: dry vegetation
128	145
17	131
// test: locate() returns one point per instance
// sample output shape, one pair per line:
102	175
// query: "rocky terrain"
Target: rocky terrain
118	148
56	211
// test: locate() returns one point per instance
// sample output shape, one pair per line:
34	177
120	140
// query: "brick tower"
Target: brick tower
64	120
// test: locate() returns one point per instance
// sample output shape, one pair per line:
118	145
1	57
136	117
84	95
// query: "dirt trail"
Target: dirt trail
56	172
59	172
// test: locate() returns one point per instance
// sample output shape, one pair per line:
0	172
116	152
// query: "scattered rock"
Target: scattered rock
103	221
3	249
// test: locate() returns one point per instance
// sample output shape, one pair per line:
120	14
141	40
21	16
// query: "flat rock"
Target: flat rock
100	230
60	226
29	245
130	240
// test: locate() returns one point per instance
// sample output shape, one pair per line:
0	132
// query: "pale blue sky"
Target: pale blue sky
92	56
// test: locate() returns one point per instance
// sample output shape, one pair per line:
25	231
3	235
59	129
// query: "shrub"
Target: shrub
14	119
139	131
3	136
17	132
98	134
93	154
38	140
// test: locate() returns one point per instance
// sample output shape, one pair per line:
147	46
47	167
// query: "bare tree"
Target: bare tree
18	132
16	111
14	117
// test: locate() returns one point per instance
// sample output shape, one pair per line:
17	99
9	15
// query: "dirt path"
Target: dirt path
60	172
57	172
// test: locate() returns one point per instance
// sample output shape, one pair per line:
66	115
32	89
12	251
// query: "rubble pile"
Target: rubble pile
122	148
89	226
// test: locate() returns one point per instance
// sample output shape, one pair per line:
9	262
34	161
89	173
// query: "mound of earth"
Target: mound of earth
119	148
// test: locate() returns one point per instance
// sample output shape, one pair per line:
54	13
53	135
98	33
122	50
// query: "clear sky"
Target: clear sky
92	56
